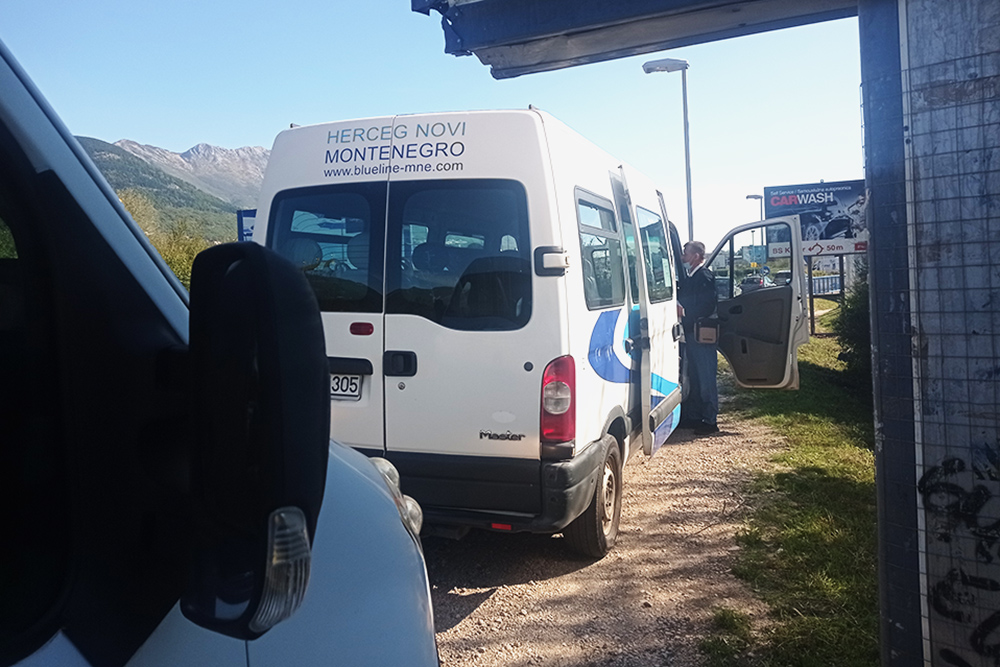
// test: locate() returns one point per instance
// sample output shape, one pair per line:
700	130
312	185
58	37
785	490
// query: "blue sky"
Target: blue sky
773	109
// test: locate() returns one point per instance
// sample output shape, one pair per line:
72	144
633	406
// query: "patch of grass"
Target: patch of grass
808	548
732	642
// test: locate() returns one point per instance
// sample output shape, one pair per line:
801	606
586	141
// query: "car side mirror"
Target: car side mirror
262	419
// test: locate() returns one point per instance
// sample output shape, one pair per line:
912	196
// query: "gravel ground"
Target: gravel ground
525	600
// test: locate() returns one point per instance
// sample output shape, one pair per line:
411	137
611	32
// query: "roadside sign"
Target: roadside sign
244	224
832	215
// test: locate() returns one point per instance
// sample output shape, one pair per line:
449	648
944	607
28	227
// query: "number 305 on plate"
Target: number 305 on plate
345	387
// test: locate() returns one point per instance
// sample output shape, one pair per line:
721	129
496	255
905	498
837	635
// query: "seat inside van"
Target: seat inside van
494	290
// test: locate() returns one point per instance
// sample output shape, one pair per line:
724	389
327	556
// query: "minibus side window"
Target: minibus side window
659	279
600	252
334	234
469	267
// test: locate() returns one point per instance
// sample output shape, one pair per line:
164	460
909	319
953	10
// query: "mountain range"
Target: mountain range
205	184
233	175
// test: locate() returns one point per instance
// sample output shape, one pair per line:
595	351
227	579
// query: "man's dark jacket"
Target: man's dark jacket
697	296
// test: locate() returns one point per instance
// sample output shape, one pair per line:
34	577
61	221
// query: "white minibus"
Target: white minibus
499	297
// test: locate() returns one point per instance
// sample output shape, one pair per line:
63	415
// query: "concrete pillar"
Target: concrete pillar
931	94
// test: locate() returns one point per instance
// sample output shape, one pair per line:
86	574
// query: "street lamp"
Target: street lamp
673	65
761	200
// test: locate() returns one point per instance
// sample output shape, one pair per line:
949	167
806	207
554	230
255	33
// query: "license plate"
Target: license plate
345	387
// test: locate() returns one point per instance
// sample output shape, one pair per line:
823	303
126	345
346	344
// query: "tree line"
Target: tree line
177	240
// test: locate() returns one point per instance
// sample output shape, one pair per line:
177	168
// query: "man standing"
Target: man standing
698	299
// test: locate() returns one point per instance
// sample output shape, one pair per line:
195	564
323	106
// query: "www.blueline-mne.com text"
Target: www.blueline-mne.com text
380	169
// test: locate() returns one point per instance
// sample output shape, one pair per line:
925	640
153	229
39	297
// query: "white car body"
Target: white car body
111	317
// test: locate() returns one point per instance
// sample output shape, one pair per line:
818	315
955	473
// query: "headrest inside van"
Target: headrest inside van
357	251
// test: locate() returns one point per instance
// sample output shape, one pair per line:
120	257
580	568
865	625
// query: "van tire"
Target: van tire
595	532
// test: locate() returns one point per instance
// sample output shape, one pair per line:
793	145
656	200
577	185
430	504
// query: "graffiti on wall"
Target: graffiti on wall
961	498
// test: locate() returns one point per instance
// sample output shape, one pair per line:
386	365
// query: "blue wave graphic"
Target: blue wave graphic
607	364
664	430
602	355
662	385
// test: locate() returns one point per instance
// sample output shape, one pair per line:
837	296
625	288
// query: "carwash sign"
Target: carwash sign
832	214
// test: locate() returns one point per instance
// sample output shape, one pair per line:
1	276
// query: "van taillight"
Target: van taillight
558	413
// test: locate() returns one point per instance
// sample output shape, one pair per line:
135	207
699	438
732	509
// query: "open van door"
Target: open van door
655	397
762	320
638	341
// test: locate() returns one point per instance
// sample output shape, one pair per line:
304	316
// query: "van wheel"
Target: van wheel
594	532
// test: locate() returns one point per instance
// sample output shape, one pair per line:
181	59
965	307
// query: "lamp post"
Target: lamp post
673	65
761	200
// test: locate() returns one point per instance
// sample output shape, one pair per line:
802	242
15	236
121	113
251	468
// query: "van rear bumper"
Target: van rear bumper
528	495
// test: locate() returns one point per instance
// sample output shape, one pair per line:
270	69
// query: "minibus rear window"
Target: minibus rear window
335	235
458	253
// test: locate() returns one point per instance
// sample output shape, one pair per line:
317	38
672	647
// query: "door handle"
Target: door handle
348	366
640	343
399	363
736	310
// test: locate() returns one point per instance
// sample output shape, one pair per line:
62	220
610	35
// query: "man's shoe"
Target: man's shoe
689	423
705	429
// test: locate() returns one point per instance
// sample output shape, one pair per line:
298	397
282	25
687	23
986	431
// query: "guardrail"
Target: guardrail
825	285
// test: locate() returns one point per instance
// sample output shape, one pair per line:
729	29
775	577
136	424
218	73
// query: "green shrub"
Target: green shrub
7	247
178	246
177	241
852	326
